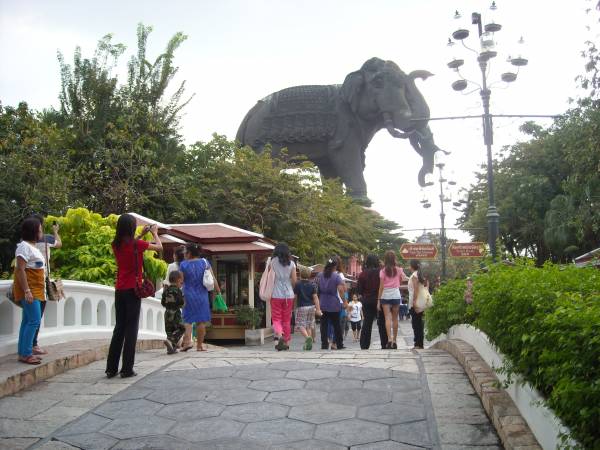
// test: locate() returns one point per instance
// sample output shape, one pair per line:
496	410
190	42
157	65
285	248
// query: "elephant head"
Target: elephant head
383	96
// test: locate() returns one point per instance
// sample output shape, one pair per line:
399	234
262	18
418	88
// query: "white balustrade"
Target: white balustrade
88	312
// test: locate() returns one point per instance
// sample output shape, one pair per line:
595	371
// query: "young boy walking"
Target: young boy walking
172	300
307	305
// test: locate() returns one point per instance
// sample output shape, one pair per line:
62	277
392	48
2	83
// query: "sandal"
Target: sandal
201	348
187	347
30	360
39	351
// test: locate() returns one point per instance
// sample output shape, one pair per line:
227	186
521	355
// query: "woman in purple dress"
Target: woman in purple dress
196	308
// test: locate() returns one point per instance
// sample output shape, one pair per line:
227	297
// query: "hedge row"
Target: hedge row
546	321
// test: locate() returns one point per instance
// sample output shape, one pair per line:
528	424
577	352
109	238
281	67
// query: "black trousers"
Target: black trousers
371	314
35	336
417	325
124	338
334	319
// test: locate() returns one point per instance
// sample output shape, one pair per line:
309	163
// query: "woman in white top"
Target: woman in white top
416	283
282	298
29	287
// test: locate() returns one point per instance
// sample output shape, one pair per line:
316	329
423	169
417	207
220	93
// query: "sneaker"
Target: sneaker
308	343
394	346
280	345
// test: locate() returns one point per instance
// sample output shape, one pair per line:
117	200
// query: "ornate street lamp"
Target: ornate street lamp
443	199
485	54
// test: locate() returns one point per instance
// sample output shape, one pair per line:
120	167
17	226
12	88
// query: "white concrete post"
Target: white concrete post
251	280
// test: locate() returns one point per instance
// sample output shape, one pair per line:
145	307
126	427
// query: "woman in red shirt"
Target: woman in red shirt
127	304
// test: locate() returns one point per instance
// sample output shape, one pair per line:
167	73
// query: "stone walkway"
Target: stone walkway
251	398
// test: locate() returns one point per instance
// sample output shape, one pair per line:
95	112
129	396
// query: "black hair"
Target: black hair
38	217
282	252
178	254
415	265
30	229
330	265
125	230
174	276
372	262
193	249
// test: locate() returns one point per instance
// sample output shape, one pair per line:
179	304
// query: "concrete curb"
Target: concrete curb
513	430
50	368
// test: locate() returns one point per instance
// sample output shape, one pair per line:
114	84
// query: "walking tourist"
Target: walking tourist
282	298
29	287
44	245
356	316
389	295
417	284
368	290
129	255
331	287
172	300
197	307
307	305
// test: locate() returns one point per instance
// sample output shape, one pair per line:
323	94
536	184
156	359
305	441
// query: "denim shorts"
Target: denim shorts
390	301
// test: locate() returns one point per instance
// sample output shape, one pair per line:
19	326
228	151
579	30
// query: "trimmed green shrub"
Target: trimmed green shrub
86	252
546	321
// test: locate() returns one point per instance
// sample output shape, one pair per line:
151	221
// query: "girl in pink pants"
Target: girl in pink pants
281	314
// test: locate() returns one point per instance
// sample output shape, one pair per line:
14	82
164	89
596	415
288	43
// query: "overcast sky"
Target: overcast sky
240	51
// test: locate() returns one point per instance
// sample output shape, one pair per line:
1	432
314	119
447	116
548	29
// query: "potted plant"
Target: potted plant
251	318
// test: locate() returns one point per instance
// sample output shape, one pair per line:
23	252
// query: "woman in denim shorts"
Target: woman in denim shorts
390	278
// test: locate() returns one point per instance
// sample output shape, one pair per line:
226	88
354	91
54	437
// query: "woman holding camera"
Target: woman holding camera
129	255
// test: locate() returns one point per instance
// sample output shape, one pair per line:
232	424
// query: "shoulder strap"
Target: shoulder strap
47	261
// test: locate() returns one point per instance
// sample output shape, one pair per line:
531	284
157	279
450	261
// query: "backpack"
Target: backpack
267	282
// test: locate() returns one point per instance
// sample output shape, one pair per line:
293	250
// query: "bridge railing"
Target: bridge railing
88	312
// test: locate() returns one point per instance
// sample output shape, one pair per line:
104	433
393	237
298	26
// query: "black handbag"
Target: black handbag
144	288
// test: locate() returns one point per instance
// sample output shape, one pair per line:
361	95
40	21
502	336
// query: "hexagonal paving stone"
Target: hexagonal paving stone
392	414
213	372
131	393
152	443
191	410
283	384
393	384
391	445
333	384
311	444
140	426
322	412
90	440
312	374
207	429
352	432
360	397
364	373
177	395
255	412
292	365
87	424
236	396
415	433
277	431
412	398
128	408
232	444
262	373
297	397
220	383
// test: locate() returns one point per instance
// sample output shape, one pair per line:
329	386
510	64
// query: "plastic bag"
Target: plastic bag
219	304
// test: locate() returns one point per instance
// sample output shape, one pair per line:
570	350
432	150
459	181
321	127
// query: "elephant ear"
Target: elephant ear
351	88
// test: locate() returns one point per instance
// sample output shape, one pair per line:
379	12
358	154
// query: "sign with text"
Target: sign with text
467	249
418	251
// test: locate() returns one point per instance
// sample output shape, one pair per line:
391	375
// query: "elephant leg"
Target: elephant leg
326	169
349	165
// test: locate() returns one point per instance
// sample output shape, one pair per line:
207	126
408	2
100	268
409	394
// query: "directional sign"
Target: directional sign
467	249
418	251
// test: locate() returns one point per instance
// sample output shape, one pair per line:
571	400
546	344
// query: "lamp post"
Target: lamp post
443	199
484	56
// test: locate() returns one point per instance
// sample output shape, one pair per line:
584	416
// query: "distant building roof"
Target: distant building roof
588	259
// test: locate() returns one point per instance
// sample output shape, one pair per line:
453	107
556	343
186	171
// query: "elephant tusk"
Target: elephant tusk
389	125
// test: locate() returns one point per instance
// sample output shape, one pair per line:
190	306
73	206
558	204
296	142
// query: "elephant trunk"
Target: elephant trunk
388	122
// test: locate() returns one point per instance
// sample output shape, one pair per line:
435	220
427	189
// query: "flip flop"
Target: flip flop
30	360
186	348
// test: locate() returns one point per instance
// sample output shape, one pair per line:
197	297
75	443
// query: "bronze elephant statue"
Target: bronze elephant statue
332	125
